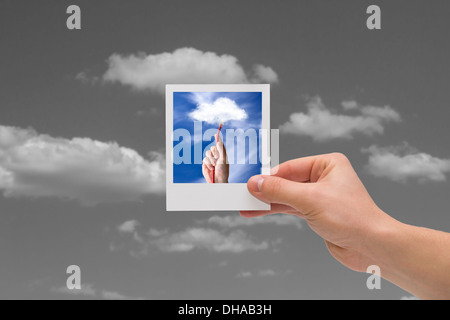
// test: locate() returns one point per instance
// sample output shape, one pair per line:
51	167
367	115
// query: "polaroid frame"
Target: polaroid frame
203	196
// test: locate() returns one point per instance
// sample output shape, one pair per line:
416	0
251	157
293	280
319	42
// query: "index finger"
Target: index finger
306	169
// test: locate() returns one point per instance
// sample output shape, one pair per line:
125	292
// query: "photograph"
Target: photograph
218	137
231	157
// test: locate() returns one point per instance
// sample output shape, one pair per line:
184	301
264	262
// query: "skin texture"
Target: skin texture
216	158
326	191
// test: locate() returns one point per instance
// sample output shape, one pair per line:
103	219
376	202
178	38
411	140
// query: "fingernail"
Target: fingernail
255	183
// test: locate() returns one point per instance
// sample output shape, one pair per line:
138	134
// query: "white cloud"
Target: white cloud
182	66
223	109
401	163
90	171
244	274
209	239
322	124
86	78
89	290
263	74
259	273
238	221
128	226
86	290
349	105
189	239
113	295
409	298
385	113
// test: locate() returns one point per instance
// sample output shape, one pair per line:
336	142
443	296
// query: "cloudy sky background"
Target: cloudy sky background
82	140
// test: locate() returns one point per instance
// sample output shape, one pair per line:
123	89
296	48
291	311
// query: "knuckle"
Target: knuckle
275	186
339	156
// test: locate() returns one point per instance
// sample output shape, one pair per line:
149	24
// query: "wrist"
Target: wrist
389	250
385	239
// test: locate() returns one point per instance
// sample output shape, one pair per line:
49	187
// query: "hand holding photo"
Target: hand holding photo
215	141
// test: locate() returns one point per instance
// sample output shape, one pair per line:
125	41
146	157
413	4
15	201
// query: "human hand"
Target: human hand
327	193
216	161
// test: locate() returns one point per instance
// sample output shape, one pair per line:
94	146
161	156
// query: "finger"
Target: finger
274	208
278	190
211	157
215	152
219	143
207	173
256	214
208	163
308	169
218	138
221	153
296	170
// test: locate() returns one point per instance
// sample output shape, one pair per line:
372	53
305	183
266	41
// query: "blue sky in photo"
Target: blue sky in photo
186	102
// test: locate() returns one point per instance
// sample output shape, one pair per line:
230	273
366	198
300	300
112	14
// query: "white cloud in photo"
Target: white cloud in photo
183	66
92	172
321	124
403	163
222	109
238	221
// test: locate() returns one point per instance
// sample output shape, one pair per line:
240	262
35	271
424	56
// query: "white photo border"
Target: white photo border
210	197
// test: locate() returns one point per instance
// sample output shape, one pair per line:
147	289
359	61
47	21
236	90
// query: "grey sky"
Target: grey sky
317	49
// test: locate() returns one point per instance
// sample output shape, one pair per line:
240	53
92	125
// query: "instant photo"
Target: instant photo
217	138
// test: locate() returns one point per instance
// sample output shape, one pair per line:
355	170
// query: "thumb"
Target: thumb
274	189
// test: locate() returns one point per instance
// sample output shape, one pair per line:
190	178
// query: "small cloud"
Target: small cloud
223	263
409	298
89	291
263	74
150	112
128	226
86	290
258	273
183	66
90	171
244	274
402	163
266	273
113	295
238	221
157	233
223	109
190	239
210	240
321	124
86	78
349	105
